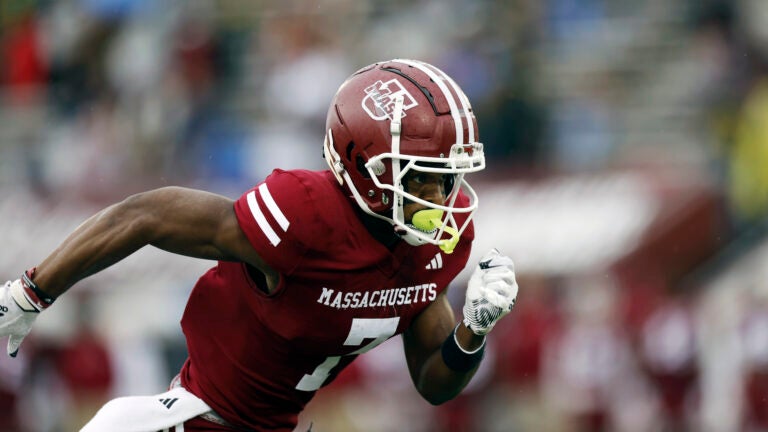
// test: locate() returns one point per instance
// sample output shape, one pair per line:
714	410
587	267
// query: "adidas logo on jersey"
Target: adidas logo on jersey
436	263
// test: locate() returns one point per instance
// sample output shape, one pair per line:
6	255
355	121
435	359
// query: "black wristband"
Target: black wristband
458	359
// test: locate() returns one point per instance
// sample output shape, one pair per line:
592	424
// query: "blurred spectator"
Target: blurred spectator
516	401
749	157
536	321
668	350
85	368
572	21
754	338
513	129
24	70
84	365
12	372
590	378
583	128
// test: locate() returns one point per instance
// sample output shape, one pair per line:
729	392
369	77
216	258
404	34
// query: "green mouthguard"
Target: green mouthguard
430	219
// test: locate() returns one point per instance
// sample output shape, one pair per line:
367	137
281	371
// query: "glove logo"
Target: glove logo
485	265
3	310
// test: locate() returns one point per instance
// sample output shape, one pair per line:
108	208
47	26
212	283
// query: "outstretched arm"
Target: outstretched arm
183	221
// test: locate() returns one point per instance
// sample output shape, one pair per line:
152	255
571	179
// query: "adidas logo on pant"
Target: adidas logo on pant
168	402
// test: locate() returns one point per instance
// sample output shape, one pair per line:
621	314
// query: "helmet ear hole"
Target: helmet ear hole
349	149
360	163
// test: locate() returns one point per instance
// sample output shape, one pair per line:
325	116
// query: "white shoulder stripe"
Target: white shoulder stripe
261	220
273	208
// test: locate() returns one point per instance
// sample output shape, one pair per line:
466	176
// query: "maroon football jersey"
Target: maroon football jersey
258	358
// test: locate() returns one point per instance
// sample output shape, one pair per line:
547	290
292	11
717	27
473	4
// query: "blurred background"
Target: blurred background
627	176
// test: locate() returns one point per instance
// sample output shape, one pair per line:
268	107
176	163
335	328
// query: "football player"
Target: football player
314	268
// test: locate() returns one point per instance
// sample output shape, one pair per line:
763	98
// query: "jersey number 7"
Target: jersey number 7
378	329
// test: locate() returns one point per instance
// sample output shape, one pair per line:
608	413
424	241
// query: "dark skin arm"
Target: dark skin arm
422	341
183	221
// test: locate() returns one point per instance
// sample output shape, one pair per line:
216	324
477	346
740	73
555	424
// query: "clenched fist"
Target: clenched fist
491	292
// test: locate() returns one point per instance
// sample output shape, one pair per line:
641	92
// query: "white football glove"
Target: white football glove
491	292
17	313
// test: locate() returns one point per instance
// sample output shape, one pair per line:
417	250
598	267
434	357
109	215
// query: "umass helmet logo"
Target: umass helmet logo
379	100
